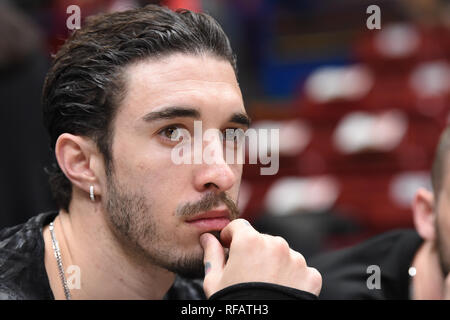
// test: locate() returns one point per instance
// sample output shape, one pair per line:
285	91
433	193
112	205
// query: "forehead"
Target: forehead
200	81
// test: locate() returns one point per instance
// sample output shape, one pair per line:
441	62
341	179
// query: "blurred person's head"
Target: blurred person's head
432	209
119	89
19	36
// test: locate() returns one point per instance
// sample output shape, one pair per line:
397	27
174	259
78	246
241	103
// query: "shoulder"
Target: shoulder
8	291
21	258
345	272
374	248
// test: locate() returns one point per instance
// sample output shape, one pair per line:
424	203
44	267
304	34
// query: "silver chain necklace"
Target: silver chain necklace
57	253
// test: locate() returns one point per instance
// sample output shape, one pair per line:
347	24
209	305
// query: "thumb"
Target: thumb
214	261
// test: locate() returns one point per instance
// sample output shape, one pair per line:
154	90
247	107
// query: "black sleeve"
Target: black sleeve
261	291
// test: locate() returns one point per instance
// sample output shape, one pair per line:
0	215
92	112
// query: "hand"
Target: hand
254	257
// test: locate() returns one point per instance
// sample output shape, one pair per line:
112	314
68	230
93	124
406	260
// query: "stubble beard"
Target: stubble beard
137	230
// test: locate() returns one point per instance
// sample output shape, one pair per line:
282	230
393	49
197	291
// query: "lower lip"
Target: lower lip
210	224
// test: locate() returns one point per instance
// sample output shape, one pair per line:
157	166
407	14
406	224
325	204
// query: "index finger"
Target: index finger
233	228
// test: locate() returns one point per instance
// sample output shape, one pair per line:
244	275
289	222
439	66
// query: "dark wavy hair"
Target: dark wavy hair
85	84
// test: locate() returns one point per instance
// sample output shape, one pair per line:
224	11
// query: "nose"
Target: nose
214	172
216	176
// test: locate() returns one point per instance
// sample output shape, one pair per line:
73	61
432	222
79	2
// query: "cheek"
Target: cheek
151	175
142	161
442	223
442	209
443	218
166	183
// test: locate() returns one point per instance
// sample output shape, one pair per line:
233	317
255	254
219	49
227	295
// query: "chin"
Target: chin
190	265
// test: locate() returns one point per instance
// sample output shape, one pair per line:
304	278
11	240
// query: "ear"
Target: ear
79	159
423	212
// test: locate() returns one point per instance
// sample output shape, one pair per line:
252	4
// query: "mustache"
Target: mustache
208	202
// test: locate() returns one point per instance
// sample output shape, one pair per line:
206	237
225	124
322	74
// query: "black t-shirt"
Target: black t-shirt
23	275
347	273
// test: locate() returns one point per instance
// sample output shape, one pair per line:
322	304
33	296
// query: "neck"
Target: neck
106	270
428	282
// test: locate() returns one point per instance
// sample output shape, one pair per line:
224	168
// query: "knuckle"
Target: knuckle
300	260
315	279
250	239
280	244
233	224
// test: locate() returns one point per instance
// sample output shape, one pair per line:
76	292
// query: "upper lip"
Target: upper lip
222	213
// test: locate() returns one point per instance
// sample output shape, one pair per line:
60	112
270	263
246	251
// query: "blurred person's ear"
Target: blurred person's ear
423	213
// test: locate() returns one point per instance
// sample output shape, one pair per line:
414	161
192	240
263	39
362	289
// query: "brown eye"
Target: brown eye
172	133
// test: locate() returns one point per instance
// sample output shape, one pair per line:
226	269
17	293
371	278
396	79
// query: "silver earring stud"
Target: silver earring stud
91	193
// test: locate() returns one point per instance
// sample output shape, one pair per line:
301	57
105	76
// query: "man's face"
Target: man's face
149	198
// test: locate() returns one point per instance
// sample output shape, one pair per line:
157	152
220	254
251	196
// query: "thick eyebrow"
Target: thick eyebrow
172	112
186	112
241	118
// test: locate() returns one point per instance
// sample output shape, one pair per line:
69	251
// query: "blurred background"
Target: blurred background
359	111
